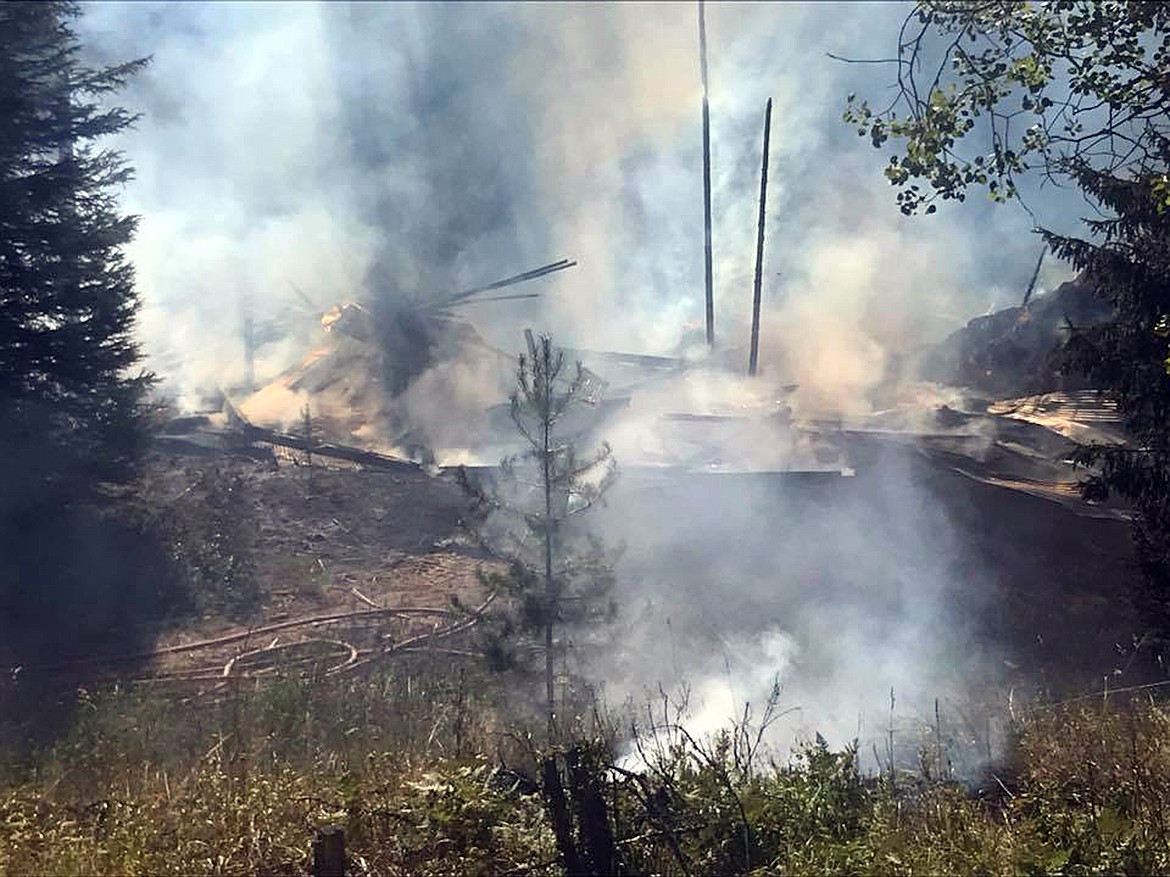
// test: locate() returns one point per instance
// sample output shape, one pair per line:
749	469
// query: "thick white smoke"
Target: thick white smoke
392	151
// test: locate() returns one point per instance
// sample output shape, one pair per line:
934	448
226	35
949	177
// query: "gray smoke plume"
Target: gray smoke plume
384	152
388	153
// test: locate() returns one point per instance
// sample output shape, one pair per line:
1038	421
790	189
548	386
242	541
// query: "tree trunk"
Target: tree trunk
598	848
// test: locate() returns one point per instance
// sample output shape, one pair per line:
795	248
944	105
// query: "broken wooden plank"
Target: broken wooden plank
522	277
361	456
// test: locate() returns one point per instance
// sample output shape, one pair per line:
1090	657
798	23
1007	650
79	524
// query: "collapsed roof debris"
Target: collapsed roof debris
228	432
1020	444
1001	433
367	357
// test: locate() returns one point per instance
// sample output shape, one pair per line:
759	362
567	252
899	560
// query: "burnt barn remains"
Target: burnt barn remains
949	499
986	463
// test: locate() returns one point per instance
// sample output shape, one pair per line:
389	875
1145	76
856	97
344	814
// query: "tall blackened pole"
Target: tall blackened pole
1035	276
249	353
755	354
709	277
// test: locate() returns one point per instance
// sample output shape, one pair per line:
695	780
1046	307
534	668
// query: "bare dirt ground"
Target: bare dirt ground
350	566
344	567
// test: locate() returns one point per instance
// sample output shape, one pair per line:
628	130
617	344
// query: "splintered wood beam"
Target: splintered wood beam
639	359
351	454
542	271
479	301
754	358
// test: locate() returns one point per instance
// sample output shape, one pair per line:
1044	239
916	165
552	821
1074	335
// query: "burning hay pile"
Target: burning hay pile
357	382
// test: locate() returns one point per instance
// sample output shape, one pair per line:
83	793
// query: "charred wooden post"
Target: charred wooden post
1035	276
329	852
249	353
553	793
309	431
597	840
754	358
709	275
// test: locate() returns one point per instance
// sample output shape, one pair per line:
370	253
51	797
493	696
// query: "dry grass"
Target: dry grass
408	763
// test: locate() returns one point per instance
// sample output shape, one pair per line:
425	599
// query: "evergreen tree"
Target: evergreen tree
72	411
560	575
1129	264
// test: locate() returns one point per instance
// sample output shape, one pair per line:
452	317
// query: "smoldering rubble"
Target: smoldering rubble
848	519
